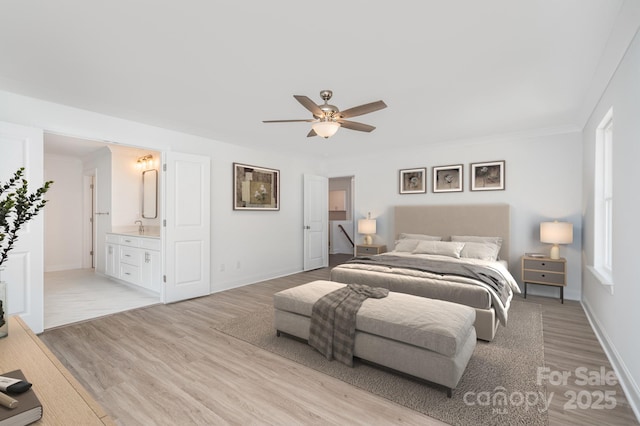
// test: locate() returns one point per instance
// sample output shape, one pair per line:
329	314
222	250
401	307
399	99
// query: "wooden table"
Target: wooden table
64	400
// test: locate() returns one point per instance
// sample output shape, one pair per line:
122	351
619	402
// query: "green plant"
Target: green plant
17	207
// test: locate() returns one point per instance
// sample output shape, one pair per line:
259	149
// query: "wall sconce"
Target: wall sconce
145	163
556	233
367	226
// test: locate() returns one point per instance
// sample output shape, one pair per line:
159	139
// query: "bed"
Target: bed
462	271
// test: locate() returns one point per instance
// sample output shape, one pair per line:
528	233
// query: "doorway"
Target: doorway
341	223
78	213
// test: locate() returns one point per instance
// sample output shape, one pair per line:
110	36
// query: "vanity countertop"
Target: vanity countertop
146	234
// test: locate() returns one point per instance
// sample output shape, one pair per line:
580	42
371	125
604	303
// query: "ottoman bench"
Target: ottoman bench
425	338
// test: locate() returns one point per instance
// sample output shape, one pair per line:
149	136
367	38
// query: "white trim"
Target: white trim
602	276
603	201
629	386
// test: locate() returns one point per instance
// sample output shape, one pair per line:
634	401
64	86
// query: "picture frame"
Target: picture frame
488	176
255	188
447	178
413	181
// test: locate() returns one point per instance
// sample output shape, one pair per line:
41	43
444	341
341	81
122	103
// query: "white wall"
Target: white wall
63	214
127	182
616	316
243	241
543	182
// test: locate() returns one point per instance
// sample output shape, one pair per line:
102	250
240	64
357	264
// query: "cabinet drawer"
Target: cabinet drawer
130	256
130	273
544	265
126	240
543	277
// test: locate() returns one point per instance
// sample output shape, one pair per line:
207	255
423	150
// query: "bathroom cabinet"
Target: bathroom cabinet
134	259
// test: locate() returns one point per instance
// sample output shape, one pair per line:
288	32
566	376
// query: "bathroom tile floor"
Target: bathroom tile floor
80	294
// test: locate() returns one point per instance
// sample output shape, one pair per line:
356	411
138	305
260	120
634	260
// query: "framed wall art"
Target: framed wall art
413	181
255	188
487	176
447	178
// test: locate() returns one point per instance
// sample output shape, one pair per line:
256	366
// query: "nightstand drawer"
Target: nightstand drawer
363	249
544	265
543	277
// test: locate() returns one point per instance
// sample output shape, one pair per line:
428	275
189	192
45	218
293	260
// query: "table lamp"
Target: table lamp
556	233
367	226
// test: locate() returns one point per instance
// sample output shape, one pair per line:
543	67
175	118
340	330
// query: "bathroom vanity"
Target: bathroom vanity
134	259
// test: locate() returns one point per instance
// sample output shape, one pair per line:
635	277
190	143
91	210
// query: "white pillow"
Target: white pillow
484	251
476	239
406	245
443	248
419	237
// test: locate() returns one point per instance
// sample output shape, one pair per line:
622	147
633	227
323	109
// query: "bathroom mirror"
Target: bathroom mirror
150	194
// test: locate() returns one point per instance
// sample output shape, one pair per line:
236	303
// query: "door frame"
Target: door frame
89	234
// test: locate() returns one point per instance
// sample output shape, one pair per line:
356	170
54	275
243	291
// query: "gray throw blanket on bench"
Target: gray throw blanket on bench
333	320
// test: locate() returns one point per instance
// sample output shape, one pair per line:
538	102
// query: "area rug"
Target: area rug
499	386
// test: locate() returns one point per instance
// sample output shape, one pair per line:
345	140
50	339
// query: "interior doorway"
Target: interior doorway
77	216
341	224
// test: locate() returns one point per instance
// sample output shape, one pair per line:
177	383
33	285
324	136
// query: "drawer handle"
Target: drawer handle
542	275
543	264
127	273
127	255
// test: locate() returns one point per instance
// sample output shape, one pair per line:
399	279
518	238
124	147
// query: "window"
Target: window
603	197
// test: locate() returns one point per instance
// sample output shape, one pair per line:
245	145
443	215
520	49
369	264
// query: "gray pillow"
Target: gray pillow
406	245
484	251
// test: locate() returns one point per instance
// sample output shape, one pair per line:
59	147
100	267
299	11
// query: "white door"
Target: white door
316	222
22	146
187	226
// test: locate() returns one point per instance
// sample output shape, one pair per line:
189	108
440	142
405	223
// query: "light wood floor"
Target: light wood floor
81	294
167	365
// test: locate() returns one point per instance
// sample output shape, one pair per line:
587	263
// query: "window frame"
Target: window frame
603	201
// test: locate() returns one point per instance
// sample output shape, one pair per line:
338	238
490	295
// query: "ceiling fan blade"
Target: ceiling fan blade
312	133
353	125
309	120
362	109
310	105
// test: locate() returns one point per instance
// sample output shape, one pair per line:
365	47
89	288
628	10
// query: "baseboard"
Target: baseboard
628	384
231	284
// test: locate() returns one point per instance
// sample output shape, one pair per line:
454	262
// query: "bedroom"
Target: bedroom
548	176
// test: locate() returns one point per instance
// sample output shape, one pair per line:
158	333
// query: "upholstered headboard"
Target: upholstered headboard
487	220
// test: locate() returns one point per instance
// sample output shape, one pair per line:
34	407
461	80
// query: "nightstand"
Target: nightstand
365	249
544	271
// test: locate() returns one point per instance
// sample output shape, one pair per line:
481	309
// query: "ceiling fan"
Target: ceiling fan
327	119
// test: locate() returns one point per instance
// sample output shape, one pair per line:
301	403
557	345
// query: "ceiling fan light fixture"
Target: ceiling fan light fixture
325	129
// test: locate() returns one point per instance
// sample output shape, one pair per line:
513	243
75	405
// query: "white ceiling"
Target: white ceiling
446	69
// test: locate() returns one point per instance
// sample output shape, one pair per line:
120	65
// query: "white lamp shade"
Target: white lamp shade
367	226
556	232
325	129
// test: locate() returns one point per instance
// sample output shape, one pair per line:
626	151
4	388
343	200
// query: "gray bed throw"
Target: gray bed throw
488	276
333	320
